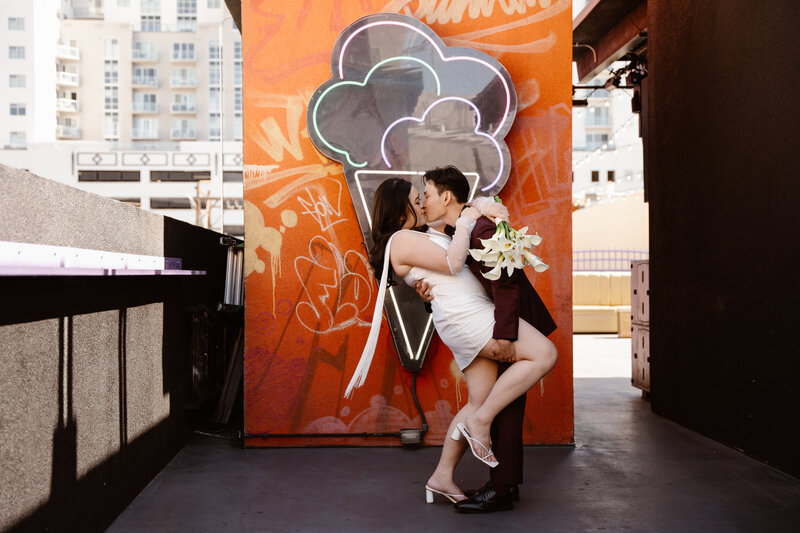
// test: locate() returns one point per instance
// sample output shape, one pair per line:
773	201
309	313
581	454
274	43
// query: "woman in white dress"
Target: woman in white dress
463	315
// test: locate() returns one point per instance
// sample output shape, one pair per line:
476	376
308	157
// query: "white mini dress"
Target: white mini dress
462	311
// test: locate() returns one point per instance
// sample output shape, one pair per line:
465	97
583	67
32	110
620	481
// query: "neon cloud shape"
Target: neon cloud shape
425	115
441	55
362	84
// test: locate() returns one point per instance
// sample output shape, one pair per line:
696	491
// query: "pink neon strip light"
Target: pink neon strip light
477	125
445	59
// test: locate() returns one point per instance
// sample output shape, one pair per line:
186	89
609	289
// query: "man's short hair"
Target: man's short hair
449	179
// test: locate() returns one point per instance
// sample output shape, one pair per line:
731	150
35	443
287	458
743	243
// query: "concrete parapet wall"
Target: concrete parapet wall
93	370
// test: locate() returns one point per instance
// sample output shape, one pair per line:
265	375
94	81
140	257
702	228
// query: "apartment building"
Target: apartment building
606	147
132	101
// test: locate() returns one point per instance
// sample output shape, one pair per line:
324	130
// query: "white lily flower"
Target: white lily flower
493	274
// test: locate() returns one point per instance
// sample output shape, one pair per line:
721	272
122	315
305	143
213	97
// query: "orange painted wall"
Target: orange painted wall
309	291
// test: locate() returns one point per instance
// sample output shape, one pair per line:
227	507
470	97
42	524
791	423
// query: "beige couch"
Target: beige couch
601	302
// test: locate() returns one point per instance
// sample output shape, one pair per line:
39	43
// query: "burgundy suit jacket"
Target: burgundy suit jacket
514	297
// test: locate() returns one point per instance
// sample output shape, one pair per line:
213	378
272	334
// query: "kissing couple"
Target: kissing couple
497	330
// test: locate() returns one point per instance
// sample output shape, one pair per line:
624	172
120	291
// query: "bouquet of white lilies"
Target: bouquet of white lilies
508	248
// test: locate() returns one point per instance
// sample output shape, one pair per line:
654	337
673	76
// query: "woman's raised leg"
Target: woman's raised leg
480	376
536	357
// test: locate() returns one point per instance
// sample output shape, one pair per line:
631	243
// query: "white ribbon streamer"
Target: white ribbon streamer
360	375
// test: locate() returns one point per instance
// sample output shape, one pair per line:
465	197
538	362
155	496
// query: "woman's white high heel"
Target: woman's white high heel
461	429
429	491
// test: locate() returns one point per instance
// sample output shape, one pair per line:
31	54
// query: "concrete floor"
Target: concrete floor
629	470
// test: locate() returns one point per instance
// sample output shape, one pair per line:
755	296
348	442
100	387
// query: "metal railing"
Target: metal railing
183	82
68	132
67	104
144	81
183	134
67	78
144	133
184	108
605	260
148	53
65	51
144	107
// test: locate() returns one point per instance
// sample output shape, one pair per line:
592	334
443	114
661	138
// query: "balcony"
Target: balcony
68	132
184	109
144	134
144	107
183	135
183	57
68	53
67	79
178	83
144	55
67	105
146	82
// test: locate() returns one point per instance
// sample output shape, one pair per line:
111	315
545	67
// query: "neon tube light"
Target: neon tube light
441	55
362	84
425	114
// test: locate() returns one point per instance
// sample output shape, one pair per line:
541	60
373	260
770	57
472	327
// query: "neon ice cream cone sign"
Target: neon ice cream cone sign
400	102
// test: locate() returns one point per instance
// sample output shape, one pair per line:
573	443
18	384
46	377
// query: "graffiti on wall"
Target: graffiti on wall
309	288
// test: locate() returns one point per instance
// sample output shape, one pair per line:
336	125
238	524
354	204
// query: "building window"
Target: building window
16	52
213	50
596	140
237	99
184	128
147	77
187	15
17	109
213	100
232	175
237	50
151	23
213	4
111	49
213	73
144	50
145	128
17	139
16	80
598	116
595	176
16	23
151	7
237	127
237	74
610	176
135	202
183	77
213	127
179	175
111	127
183	51
108	175
145	103
184	103
123	3
112	97
111	72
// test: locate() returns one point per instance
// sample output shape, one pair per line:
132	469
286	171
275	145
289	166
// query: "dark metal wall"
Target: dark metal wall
723	188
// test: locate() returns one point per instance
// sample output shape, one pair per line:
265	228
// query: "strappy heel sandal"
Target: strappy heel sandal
460	430
429	492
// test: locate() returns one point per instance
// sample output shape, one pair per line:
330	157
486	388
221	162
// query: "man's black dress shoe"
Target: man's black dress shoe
486	500
514	491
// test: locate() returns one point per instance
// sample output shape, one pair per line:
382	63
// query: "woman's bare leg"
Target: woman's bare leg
536	357
480	376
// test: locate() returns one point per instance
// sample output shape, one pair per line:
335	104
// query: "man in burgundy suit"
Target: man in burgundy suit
514	298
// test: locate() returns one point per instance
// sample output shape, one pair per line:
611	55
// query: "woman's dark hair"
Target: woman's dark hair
390	209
